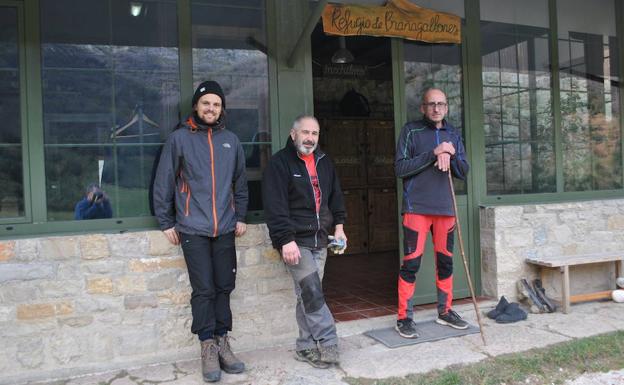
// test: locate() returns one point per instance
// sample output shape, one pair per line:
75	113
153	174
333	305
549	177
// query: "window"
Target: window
11	165
517	113
229	46
110	96
435	65
589	91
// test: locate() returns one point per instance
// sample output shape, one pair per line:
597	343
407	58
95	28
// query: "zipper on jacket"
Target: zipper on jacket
214	186
318	218
185	189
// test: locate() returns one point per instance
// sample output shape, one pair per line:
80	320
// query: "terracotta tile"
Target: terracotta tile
363	305
349	316
377	312
339	308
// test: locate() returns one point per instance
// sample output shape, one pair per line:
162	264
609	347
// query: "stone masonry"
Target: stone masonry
509	234
86	303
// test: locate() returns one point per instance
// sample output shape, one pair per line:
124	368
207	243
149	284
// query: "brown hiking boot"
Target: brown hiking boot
229	363
210	361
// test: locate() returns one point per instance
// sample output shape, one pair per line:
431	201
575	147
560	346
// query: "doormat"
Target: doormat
428	330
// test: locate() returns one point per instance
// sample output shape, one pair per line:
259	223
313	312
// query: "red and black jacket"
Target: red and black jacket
289	205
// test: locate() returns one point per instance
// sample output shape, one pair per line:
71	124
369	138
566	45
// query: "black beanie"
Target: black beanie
209	87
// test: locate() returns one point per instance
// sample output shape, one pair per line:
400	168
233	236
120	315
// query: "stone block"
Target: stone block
97	304
155	264
104	267
7	313
18	291
7	250
99	286
176	297
162	281
63	308
26	272
160	245
94	246
60	288
140	301
136	340
30	352
519	237
59	248
66	348
27	250
130	284
76	321
255	236
35	311
509	216
130	245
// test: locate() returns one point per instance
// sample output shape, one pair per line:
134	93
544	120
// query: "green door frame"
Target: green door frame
471	90
21	41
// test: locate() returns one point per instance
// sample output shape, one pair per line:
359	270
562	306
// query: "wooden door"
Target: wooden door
343	140
356	227
381	148
383	219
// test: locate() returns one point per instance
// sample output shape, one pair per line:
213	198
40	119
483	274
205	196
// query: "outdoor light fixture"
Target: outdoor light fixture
135	8
342	56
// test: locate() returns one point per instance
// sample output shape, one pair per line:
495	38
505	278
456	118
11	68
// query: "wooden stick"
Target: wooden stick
463	255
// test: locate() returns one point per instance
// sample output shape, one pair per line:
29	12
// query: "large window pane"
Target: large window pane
12	191
589	81
434	65
518	130
229	46
110	97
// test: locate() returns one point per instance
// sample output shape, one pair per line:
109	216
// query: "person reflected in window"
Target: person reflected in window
94	205
200	200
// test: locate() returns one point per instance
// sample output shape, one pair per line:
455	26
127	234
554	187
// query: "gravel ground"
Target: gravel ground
614	377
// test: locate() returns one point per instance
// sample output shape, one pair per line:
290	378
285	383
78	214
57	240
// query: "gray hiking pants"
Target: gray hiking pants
315	321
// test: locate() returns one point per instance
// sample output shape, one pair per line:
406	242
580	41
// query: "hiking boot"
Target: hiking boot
228	361
406	328
312	357
541	294
452	319
526	291
210	361
330	354
500	308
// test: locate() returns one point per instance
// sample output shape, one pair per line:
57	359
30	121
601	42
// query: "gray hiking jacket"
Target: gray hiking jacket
201	185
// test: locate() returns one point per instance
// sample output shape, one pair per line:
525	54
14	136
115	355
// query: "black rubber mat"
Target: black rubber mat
428	331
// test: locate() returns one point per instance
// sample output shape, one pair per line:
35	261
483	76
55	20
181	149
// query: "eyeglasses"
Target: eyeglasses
432	105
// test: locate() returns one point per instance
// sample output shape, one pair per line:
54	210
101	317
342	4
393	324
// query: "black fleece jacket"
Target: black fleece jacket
288	196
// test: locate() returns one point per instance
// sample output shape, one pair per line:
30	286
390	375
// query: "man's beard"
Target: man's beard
304	150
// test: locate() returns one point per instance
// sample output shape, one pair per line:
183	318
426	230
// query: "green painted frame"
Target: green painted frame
27	217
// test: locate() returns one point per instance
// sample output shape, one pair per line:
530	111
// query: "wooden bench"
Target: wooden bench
563	263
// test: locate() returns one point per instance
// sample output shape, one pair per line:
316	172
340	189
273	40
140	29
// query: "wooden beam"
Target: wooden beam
307	31
591	296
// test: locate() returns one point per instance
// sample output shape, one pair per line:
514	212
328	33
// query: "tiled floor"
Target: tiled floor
364	286
361	286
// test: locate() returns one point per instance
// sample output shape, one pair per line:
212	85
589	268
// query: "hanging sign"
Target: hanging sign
398	18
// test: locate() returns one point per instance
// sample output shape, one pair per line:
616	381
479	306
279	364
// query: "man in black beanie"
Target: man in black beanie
200	201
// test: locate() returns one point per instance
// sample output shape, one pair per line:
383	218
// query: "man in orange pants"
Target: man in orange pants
427	149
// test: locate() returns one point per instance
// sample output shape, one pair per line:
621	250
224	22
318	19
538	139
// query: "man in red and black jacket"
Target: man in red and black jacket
302	202
427	151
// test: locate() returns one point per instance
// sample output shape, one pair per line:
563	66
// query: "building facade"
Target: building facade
91	89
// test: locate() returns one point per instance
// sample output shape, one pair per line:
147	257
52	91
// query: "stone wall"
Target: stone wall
85	303
509	234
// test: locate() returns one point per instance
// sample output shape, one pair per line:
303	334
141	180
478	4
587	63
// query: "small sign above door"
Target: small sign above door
398	18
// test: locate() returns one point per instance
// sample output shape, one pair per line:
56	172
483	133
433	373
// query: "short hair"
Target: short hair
92	187
297	123
431	89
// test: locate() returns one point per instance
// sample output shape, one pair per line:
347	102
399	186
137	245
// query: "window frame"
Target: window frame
35	220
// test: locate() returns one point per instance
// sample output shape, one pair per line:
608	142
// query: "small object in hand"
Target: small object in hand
97	196
337	246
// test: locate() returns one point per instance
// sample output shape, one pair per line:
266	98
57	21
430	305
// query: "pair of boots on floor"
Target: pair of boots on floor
216	355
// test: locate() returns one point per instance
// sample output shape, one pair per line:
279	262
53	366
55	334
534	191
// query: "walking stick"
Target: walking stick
461	249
